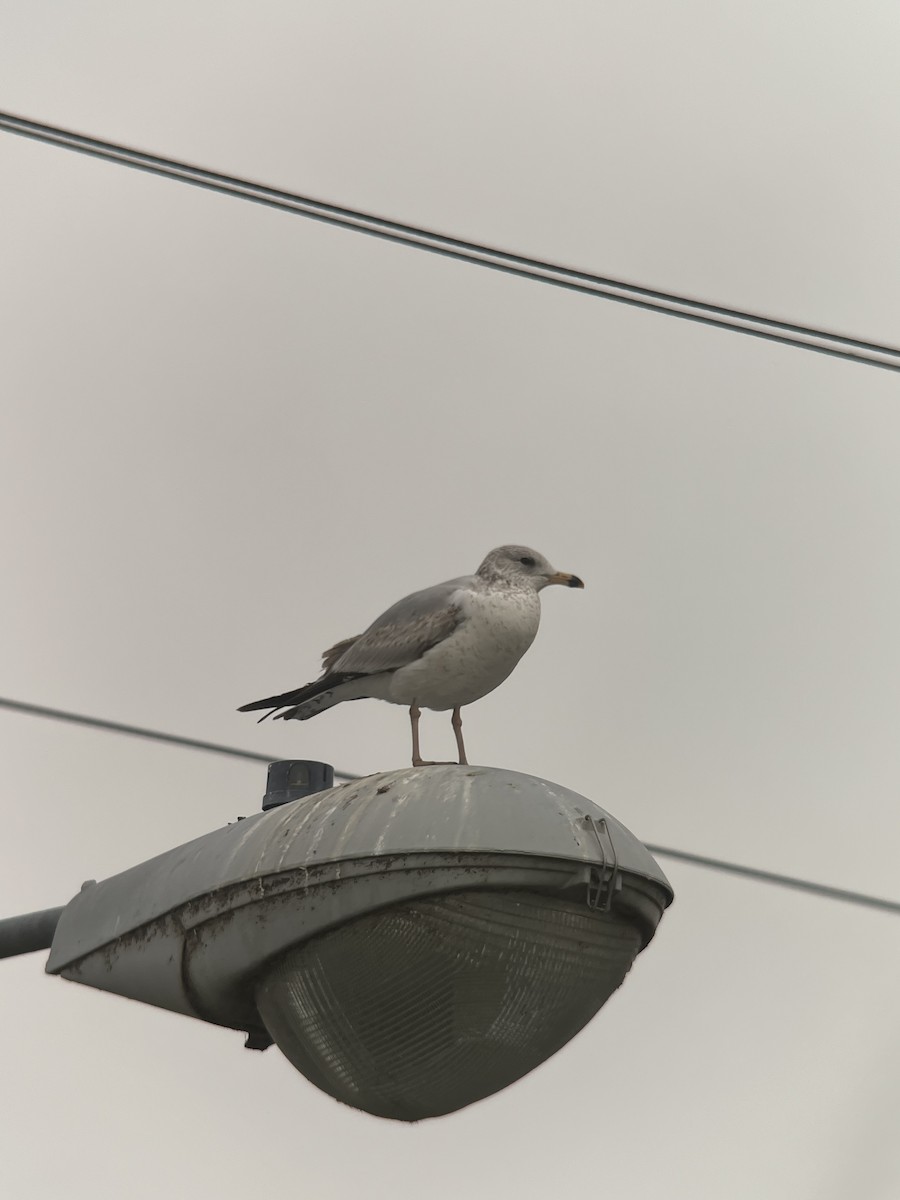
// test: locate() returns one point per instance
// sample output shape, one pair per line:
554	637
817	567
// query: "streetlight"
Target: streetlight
412	941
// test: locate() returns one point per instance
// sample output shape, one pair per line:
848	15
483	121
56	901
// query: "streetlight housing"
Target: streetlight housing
413	941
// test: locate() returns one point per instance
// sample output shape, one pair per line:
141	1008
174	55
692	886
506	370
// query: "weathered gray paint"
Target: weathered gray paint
190	929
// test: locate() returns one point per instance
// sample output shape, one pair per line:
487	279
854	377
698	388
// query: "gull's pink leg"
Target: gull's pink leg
456	722
417	760
414	714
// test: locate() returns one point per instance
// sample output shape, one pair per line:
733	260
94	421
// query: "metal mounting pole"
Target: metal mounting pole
29	932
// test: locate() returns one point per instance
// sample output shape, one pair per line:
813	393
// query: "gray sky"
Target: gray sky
232	437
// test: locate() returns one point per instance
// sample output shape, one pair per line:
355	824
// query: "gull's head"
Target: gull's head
523	567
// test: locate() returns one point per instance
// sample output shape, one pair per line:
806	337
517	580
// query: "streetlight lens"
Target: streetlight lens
418	1010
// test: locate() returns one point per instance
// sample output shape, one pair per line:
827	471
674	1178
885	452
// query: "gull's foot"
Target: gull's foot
422	762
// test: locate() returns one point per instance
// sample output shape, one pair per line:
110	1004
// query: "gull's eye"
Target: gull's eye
527	561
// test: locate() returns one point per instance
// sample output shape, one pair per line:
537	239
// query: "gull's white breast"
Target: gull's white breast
498	627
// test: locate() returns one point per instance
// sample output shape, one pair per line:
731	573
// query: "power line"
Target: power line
173	739
770	329
789	881
715	864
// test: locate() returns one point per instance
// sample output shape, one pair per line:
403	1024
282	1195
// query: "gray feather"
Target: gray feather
403	633
330	657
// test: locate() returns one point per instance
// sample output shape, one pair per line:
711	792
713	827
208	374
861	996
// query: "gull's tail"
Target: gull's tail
308	701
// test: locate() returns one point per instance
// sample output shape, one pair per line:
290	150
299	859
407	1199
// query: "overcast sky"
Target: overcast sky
232	437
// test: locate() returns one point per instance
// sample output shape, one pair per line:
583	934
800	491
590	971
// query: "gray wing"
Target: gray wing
402	634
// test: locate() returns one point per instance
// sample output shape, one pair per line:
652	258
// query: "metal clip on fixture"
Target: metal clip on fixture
604	880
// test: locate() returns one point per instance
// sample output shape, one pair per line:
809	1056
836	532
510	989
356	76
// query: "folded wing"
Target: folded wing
400	636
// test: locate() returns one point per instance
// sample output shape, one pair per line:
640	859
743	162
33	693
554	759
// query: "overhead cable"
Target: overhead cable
715	864
788	881
769	328
173	739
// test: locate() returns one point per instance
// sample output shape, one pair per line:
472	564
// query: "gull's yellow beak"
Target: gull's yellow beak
565	579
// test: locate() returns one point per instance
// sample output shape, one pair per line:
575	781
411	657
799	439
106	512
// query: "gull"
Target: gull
441	648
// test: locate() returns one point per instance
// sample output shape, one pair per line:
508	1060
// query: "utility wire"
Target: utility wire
768	328
715	864
790	881
58	714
